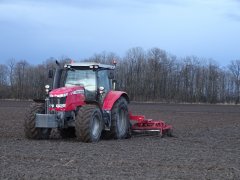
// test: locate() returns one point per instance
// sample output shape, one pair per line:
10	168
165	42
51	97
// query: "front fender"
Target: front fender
111	98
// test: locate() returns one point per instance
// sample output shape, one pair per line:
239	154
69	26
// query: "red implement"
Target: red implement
141	124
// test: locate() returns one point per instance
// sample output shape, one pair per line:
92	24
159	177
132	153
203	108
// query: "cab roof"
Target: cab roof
90	65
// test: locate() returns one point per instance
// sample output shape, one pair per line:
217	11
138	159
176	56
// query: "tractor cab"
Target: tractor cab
95	79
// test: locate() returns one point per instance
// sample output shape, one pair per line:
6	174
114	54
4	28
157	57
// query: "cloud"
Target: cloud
235	17
43	11
93	4
232	10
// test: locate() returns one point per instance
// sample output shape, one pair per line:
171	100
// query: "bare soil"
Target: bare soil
206	146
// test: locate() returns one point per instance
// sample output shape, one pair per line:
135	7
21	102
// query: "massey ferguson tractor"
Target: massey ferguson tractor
83	102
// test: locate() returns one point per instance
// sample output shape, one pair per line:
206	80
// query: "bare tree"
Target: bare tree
11	65
134	71
3	75
234	68
20	77
3	81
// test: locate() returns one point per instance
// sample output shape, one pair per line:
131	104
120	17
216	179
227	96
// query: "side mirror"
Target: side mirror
50	74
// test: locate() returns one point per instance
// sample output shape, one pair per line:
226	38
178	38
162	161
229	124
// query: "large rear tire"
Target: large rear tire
89	124
120	124
31	132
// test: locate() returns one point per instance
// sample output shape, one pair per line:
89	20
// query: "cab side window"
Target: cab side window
104	80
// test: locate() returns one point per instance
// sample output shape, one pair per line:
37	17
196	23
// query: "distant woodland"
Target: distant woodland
152	75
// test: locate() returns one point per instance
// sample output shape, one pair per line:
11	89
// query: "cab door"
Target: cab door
104	84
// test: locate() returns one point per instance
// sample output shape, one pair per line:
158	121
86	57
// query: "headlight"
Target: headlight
59	95
60	105
80	91
62	95
47	88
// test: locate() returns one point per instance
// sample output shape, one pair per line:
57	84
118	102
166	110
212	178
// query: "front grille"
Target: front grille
57	100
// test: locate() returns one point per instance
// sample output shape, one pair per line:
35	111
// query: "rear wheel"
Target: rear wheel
89	124
120	125
30	130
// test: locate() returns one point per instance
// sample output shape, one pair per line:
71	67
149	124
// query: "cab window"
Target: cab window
104	80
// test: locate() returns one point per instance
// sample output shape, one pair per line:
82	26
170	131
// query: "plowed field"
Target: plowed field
206	146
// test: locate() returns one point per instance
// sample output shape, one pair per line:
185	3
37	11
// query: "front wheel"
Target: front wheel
120	125
89	124
30	130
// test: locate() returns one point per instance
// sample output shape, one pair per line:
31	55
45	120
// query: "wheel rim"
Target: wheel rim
122	121
96	126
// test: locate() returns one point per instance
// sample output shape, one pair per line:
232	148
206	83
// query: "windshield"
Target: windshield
85	78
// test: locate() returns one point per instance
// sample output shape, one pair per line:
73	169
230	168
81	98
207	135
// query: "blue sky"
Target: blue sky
37	30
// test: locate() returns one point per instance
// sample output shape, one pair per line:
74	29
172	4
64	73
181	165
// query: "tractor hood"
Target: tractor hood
66	91
66	98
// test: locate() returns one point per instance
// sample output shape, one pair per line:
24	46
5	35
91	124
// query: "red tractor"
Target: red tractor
83	102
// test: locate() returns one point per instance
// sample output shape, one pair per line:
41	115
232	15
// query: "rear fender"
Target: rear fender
112	97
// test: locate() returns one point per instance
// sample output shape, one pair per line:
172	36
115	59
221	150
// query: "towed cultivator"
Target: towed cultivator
84	103
141	124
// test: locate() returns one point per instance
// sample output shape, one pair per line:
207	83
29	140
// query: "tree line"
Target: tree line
152	75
